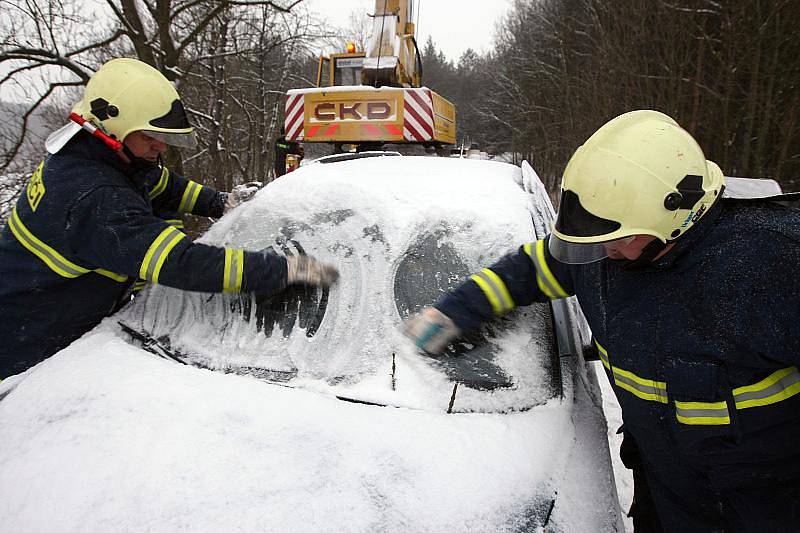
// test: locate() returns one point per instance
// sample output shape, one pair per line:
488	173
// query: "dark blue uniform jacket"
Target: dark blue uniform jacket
85	230
702	348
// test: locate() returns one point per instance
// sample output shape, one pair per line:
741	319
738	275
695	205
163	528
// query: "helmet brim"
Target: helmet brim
575	253
180	140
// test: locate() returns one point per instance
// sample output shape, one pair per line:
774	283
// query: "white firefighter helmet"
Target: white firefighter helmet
127	95
639	174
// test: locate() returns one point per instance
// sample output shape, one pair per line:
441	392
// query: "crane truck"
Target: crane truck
374	97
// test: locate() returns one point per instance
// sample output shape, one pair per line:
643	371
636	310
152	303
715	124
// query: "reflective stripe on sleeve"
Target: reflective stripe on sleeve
778	386
175	223
161	186
158	252
57	262
234	269
603	355
646	389
189	198
547	282
702	413
495	290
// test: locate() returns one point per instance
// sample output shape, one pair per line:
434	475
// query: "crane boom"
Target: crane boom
392	58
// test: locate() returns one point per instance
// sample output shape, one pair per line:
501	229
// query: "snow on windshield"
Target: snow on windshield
401	230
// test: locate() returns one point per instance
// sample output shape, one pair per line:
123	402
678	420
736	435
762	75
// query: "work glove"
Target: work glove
431	330
241	193
307	270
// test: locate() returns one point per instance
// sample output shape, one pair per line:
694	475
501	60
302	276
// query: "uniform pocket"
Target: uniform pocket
702	417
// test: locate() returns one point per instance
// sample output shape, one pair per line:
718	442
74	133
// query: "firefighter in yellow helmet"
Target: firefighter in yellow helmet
91	221
693	303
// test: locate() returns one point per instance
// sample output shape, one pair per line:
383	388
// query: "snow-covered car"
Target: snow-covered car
308	410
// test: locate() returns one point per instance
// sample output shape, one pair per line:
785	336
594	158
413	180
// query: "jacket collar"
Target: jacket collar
694	235
84	146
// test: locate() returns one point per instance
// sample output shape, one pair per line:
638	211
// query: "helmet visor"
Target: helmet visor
181	140
581	253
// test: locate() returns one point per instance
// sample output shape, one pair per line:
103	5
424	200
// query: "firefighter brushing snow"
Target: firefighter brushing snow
694	303
85	228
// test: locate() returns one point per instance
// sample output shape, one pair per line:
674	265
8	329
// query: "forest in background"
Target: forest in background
728	72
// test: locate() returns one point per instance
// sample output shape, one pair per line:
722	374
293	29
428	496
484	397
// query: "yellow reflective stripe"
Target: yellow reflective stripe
545	274
542	287
702	413
495	290
528	250
190	195
234	269
139	285
646	389
175	223
162	183
776	387
107	273
603	355
54	260
490	295
158	252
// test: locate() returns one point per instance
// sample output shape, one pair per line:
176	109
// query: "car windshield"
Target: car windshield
399	247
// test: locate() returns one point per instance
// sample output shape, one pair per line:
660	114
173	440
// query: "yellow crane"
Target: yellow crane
373	97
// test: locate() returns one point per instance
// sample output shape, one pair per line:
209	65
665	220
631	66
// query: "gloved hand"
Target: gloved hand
431	330
241	193
307	270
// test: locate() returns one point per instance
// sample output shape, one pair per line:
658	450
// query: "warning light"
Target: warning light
351	48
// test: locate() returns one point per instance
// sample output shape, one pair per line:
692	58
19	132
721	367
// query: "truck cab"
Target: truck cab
341	69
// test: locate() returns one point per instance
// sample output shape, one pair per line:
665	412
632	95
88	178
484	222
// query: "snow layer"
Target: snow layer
104	436
366	216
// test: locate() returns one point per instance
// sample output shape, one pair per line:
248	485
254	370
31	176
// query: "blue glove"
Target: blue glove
431	330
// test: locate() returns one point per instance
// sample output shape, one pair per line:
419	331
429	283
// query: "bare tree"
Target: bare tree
64	34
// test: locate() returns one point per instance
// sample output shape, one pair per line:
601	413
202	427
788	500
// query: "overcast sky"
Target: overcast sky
454	25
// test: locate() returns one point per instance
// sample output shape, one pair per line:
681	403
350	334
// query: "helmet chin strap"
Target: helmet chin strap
645	259
139	163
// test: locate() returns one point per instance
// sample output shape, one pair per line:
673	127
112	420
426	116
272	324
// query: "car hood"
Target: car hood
106	437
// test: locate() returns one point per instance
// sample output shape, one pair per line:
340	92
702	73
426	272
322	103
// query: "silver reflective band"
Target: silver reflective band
777	386
181	140
702	413
496	293
575	254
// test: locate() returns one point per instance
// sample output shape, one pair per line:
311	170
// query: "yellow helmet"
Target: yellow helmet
639	174
127	95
